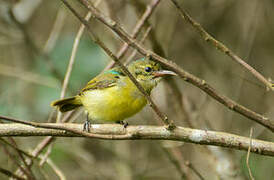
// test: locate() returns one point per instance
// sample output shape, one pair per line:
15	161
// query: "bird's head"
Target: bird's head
148	73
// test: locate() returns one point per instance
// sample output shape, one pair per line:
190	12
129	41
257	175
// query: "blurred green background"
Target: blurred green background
28	85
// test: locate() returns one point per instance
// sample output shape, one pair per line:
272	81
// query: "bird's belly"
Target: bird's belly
113	104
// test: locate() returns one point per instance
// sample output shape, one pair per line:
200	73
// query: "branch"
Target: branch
72	57
134	52
202	84
220	46
48	140
136	30
34	48
49	161
10	174
55	31
248	154
27	168
175	162
28	76
118	132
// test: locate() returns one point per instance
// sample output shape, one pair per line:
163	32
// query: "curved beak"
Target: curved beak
162	73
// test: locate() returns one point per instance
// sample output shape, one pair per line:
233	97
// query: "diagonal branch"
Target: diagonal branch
49	161
133	53
47	141
31	45
220	46
137	29
29	174
10	174
72	58
202	84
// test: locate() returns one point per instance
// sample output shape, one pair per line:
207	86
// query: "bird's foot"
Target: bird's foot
171	126
124	123
86	126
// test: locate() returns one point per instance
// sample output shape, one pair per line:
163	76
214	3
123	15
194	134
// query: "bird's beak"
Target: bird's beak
162	73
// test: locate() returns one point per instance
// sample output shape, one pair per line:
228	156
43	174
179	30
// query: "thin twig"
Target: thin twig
118	132
28	168
156	45
49	162
216	155
18	150
188	164
202	84
36	152
14	160
126	71
14	147
131	56
48	140
27	76
56	30
248	154
46	155
72	58
175	162
67	75
34	48
56	169
71	62
178	98
177	153
136	30
10	174
220	46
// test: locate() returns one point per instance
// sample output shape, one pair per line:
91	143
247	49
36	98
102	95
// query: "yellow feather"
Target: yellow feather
114	103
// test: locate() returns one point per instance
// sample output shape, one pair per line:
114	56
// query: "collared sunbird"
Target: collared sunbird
112	96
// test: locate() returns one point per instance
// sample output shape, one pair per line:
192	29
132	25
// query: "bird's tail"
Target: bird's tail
67	104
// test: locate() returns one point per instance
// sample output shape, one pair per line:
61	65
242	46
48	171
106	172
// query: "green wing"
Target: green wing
102	81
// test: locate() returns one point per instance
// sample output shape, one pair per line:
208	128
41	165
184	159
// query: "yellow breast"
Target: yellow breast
114	103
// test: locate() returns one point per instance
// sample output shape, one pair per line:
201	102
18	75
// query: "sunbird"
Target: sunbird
112	96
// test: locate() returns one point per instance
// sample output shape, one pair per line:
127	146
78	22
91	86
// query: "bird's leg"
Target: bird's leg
87	125
124	123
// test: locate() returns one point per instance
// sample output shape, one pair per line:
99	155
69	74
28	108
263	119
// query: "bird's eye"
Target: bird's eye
148	69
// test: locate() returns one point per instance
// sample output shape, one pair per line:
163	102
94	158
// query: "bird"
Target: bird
112	96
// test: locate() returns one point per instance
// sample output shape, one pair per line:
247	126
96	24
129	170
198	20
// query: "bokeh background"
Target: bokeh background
36	38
